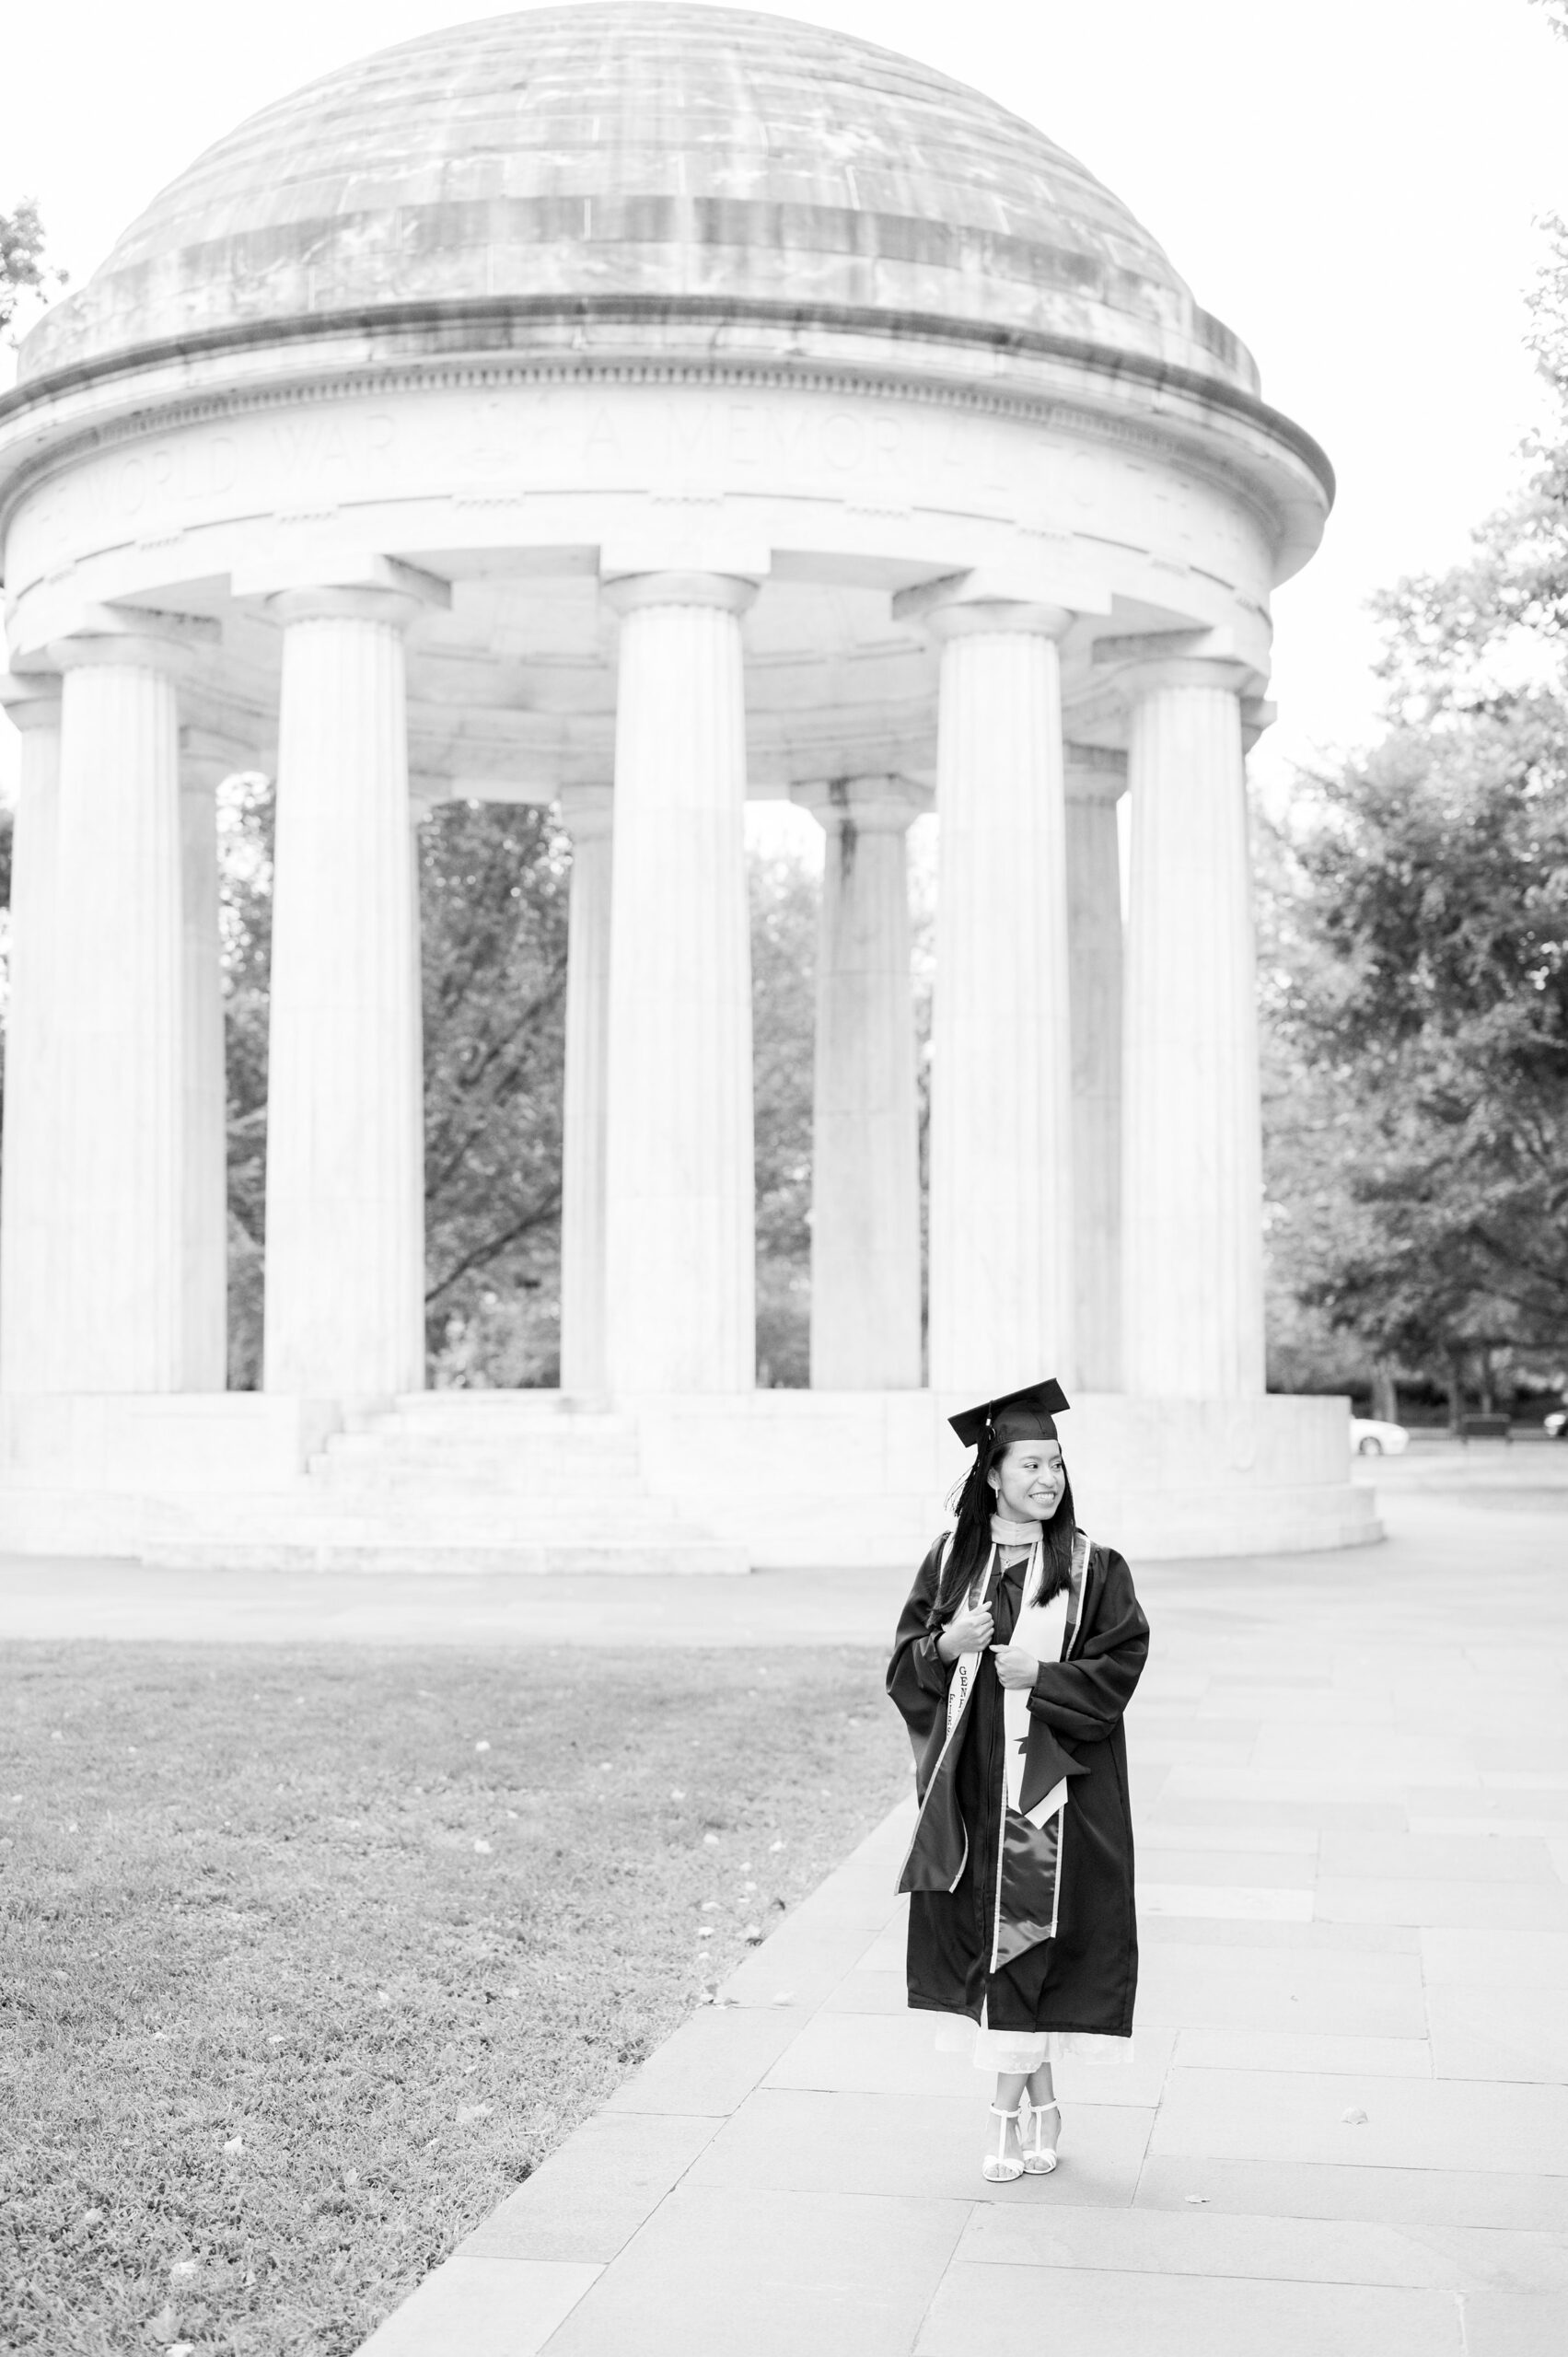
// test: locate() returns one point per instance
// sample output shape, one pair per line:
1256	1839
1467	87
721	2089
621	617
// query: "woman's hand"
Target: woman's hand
1014	1666
969	1632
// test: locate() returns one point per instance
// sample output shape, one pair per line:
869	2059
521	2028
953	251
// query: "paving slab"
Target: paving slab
1096	2313
1217	2242
861	1991
1158	1834
1372	2122
712	2061
1167	1859
1492	2199
484	2307
1321	1993
1447	1856
1516	1905
588	2199
1262	2049
1507	1961
1313	1938
723	2270
1498	2325
1474	2036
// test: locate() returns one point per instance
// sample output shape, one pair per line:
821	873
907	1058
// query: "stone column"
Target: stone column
1096	780
586	811
1193	1262
30	1183
679	1213
117	973
418	811
1001	1201
205	1267
345	1209
866	1150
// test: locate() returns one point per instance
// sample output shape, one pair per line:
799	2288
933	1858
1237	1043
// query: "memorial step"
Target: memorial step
432	1466
499	1481
536	1559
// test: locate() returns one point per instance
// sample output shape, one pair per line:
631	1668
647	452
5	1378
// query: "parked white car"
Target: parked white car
1370	1436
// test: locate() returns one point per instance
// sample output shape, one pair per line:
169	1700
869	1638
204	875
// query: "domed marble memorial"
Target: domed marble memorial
637	409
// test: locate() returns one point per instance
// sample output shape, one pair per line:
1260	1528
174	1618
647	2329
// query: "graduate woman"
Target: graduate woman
1018	1652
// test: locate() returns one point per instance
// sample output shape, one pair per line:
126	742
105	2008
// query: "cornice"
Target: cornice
489	356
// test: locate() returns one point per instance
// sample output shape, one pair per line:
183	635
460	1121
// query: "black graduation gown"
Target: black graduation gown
1085	1978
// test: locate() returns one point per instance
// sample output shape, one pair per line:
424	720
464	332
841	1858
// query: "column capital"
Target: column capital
1256	714
587	810
394	608
627	593
1145	661
1094	772
136	638
957	609
1224	672
206	760
884	806
343	572
30	699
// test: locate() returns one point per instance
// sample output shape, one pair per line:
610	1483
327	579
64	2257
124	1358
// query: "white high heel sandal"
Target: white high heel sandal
1040	2158
997	2168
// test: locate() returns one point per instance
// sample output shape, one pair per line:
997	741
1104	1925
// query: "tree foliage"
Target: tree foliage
1424	1011
785	898
24	269
494	883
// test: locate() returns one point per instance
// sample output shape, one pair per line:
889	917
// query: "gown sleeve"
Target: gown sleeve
1083	1699
917	1675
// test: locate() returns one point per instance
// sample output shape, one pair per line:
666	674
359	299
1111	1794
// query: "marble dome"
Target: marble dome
681	162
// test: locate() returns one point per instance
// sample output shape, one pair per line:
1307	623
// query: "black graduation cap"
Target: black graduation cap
1018	1415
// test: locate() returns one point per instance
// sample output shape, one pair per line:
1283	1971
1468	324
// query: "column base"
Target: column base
515	1481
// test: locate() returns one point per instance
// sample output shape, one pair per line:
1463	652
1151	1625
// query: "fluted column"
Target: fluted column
1001	1200
679	1217
1192	1286
117	971
345	1230
587	813
30	1185
418	811
204	1270
1094	782
865	1149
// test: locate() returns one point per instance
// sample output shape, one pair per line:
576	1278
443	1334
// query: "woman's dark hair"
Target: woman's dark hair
971	1534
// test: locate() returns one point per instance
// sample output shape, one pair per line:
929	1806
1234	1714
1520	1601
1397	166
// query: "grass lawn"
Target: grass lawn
311	1953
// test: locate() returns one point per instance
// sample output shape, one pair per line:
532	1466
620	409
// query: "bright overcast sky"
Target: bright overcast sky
1353	185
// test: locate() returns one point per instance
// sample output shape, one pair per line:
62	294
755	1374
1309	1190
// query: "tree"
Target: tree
244	815
785	900
493	887
23	267
1420	1017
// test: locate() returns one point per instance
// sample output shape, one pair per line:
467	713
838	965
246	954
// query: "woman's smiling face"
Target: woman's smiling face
1029	1481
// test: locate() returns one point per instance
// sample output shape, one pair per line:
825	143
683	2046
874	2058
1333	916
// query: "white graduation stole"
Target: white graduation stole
1040	1630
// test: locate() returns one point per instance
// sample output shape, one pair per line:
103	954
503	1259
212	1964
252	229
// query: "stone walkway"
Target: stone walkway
1346	2131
